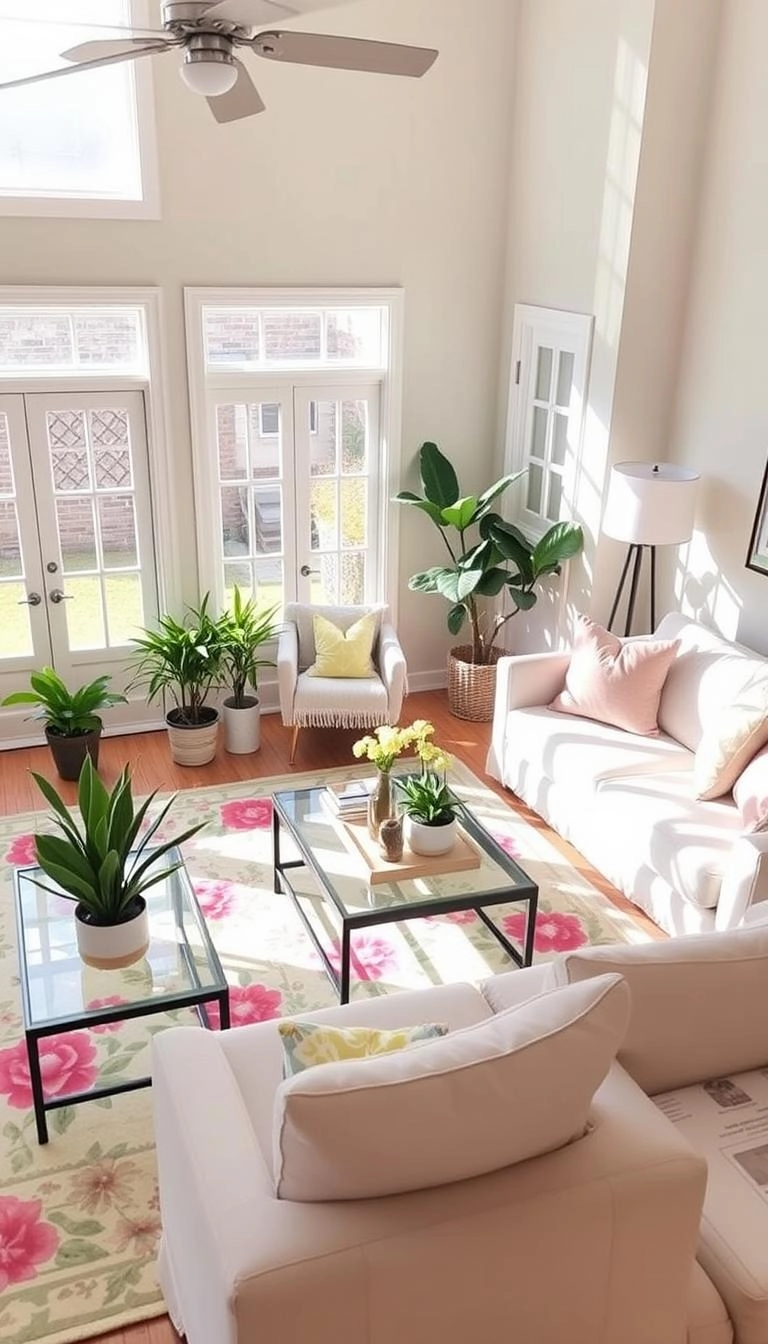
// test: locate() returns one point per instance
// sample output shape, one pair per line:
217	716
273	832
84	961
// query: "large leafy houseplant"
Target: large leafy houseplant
71	718
102	863
488	556
182	660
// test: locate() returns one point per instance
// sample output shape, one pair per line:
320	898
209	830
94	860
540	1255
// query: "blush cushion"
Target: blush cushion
750	793
730	741
614	682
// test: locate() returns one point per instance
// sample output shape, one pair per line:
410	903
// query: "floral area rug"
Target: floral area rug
79	1219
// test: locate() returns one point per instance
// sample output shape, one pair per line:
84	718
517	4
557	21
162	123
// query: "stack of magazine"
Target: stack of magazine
348	799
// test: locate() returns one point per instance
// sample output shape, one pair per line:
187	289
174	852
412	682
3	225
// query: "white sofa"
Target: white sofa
627	802
602	1241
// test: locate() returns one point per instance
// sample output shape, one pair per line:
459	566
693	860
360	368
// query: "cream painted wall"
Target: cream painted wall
345	180
721	422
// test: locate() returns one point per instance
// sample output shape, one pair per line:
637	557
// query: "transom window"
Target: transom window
56	156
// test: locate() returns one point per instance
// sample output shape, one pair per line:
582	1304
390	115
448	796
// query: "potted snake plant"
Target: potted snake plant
72	721
243	630
102	864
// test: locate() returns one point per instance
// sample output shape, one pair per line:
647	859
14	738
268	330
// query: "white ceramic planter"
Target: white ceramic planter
242	727
110	946
193	745
429	840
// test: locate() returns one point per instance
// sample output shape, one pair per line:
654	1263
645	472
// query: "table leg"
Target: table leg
35	1078
224	1011
275	850
345	951
530	930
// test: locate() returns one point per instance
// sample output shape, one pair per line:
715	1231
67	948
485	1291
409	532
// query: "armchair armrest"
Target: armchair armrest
745	880
392	668
522	680
287	669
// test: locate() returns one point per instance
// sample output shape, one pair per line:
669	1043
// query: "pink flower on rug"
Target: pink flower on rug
215	898
22	851
103	1184
555	932
26	1240
248	1003
111	1001
66	1063
138	1235
247	814
506	843
372	956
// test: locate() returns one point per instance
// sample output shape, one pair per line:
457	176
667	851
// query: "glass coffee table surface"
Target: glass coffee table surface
311	856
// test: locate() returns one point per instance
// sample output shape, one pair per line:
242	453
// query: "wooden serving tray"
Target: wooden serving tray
465	854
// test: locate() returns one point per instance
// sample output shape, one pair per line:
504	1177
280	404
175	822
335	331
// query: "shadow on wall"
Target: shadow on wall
700	587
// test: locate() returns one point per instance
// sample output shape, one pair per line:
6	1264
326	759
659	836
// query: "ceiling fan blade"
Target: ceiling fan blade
253	13
344	53
130	30
88	65
92	51
242	100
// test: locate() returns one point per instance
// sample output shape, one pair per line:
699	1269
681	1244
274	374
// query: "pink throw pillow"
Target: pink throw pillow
750	793
614	682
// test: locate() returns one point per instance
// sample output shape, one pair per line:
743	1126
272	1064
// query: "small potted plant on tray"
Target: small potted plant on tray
72	722
429	805
104	867
183	660
243	629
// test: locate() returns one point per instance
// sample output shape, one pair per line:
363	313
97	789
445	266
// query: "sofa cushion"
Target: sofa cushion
698	1004
614	682
731	739
725	1121
478	1100
750	793
707	674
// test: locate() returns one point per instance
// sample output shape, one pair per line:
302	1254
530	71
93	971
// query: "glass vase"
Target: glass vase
380	803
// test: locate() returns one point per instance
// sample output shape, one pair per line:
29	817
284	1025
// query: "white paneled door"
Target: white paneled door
77	565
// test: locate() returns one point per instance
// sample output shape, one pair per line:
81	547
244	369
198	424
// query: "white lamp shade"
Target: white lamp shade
650	503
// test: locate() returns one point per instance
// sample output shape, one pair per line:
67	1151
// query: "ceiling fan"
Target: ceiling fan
209	35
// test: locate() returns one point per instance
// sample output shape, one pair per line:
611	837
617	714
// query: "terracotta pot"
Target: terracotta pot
242	726
471	686
111	946
70	752
429	840
193	744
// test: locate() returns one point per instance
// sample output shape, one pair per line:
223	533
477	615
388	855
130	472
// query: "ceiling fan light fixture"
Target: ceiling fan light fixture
209	73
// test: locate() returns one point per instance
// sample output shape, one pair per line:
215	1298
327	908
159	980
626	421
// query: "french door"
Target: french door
296	498
77	566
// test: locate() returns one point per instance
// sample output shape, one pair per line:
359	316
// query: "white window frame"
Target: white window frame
110	207
168	561
241	380
563	331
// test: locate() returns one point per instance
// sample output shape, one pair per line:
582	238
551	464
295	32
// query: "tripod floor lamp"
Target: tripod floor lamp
649	504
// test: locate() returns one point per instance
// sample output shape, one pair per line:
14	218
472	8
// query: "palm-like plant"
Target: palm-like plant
95	862
427	798
182	659
66	713
497	558
242	631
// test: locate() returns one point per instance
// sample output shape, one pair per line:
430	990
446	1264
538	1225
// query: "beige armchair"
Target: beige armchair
337	702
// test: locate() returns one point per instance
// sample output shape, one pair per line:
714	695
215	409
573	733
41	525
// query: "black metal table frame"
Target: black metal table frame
443	905
123	1012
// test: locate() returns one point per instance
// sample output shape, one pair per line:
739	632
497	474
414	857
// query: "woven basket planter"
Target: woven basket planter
471	686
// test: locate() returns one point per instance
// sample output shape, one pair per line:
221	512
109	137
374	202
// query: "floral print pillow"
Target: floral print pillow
308	1043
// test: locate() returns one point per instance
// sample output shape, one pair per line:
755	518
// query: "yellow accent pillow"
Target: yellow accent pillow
343	653
308	1043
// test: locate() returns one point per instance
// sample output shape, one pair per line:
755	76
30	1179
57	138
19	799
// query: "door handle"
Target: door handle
33	600
305	571
57	596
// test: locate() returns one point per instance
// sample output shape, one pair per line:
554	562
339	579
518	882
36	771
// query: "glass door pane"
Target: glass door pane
91	476
337	432
25	642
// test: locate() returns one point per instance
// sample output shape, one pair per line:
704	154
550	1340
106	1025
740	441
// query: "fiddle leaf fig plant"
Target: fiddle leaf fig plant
488	555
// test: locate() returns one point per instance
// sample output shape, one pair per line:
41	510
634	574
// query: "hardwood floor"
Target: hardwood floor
318	749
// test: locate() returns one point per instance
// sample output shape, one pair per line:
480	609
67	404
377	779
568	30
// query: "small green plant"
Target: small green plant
95	862
66	713
242	631
497	558
426	796
180	658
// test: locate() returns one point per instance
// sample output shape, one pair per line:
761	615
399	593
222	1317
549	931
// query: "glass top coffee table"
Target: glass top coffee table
60	993
326	861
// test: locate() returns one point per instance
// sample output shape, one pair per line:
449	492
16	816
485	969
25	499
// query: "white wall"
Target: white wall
721	424
345	180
